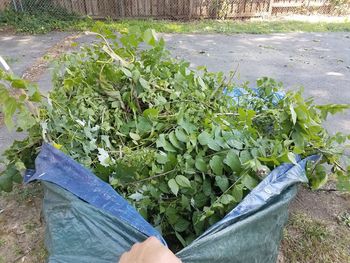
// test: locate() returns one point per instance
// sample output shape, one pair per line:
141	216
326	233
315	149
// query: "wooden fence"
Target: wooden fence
4	4
185	9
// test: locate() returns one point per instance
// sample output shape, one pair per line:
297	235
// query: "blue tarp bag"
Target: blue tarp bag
88	222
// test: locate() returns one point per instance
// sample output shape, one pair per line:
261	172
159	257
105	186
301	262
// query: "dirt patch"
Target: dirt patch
323	205
318	229
22	227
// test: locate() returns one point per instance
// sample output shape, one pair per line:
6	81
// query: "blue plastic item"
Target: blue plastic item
87	221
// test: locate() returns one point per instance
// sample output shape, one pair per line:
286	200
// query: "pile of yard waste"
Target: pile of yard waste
182	145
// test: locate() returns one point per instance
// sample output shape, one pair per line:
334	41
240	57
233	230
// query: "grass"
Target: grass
228	27
2	242
39	253
30	227
17	250
307	240
22	193
344	219
44	21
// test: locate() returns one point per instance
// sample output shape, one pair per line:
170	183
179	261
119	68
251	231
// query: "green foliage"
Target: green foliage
39	20
36	22
16	98
303	233
169	138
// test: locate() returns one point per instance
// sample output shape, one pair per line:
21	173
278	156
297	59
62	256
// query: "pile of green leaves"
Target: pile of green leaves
168	138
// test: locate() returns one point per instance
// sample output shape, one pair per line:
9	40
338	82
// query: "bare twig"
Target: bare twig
327	190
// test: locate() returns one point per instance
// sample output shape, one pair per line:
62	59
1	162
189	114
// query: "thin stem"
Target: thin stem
155	176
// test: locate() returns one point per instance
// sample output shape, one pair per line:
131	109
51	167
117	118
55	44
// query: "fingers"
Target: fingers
124	258
153	242
149	251
135	246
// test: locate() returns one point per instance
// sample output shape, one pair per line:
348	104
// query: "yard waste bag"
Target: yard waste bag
88	221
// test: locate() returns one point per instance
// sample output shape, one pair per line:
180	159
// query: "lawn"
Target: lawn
44	22
226	27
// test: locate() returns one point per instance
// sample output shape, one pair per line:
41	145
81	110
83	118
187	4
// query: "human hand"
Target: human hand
149	251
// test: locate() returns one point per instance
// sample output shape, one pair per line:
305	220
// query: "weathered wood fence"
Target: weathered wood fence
188	9
185	9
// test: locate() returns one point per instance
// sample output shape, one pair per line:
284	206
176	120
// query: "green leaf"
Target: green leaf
249	182
181	225
291	158
288	158
183	181
332	109
162	142
187	126
235	144
232	160
162	158
144	83
151	113
172	215
134	136
214	145
201	165
298	139
185	203
149	36
10	109
144	125
204	138
216	165
302	113
293	114
19	84
125	173
222	182
206	187
181	135
9	176
25	120
237	193
201	83
20	166
319	177
199	226
200	200
180	238
174	187
126	72
226	199
174	141
245	156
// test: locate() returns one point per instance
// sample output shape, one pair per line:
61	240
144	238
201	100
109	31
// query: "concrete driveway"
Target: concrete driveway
21	51
319	62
